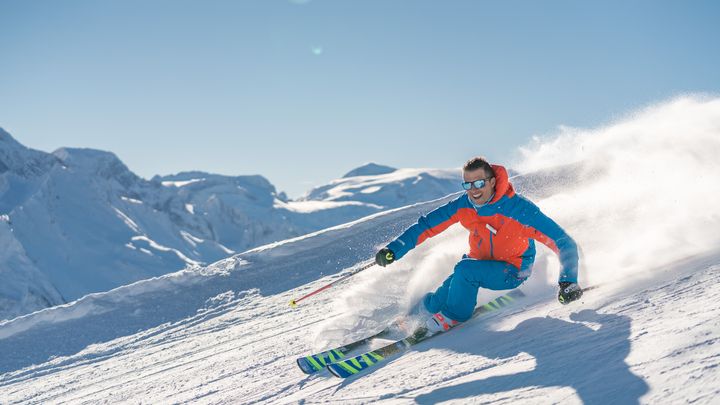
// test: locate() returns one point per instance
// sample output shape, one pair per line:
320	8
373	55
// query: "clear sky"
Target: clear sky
303	91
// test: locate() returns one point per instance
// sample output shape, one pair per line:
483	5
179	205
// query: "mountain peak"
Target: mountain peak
253	180
103	163
370	169
20	159
7	139
88	158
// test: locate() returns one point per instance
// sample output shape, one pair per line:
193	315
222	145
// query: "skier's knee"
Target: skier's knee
431	303
465	269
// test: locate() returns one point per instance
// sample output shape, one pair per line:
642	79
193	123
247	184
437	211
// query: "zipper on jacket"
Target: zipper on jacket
492	254
493	232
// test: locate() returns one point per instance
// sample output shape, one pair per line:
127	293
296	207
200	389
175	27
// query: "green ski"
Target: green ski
348	367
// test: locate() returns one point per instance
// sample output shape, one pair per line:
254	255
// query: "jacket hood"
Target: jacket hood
503	187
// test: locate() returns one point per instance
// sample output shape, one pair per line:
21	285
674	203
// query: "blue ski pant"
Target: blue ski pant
457	296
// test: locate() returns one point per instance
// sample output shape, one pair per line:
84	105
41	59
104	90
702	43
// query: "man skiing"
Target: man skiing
503	227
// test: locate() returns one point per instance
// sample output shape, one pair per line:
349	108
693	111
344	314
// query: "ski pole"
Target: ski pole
293	303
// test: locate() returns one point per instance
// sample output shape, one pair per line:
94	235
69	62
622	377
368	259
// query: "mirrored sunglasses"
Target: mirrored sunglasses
467	185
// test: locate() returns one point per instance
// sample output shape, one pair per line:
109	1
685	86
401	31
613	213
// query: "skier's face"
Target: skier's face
481	195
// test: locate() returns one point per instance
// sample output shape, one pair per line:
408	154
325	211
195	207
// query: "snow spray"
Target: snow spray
637	194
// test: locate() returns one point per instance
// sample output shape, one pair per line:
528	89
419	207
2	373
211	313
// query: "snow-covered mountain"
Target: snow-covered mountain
78	221
225	333
388	187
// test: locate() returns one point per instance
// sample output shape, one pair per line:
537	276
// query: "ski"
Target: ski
315	362
348	367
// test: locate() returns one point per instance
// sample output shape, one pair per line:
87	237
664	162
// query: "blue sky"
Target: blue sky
303	91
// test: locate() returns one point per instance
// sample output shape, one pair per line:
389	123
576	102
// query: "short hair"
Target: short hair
479	163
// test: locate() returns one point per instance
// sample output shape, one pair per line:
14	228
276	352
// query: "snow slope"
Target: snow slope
225	334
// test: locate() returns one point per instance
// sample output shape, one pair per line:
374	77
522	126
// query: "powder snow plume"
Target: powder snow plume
645	190
638	195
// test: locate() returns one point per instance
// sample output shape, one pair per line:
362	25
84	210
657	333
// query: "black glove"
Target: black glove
569	292
384	257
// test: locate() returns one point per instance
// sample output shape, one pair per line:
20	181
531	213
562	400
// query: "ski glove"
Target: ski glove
384	257
569	292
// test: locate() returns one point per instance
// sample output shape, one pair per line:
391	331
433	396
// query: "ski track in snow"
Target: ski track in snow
659	346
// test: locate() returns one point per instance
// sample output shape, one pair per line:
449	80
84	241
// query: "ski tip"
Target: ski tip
300	366
305	366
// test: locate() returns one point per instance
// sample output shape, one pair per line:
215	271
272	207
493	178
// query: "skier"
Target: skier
503	226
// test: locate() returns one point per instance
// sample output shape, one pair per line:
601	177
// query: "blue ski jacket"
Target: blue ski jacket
504	229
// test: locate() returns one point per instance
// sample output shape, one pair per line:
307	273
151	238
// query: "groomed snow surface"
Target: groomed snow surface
640	202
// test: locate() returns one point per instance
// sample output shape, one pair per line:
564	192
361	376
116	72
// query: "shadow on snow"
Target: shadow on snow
567	354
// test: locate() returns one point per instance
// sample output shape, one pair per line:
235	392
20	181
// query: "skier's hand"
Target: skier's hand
569	292
384	257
